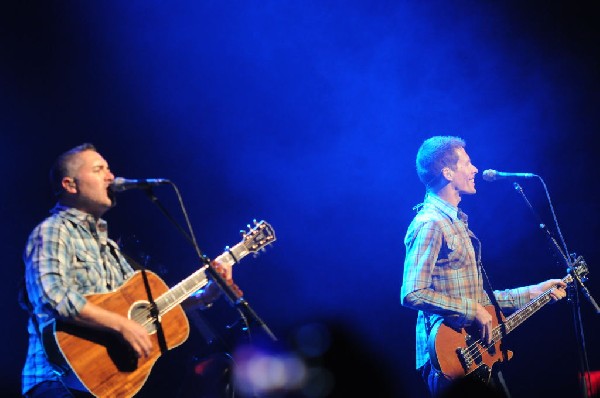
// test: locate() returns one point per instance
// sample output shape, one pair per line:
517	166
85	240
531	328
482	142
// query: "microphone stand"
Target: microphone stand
579	277
234	298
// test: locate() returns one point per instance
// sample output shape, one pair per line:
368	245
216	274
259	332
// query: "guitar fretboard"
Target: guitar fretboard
197	280
524	313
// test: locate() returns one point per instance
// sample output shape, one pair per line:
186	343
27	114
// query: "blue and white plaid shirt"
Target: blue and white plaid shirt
67	256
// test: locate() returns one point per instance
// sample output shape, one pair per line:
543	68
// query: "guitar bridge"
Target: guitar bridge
471	355
464	359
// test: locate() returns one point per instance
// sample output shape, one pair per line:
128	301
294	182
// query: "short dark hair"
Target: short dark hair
436	153
62	166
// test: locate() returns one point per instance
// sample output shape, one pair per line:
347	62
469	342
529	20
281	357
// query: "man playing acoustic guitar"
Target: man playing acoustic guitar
69	256
443	278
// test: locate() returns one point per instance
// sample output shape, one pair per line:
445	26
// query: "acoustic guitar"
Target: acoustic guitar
103	362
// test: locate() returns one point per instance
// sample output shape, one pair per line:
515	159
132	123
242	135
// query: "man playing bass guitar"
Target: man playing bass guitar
443	278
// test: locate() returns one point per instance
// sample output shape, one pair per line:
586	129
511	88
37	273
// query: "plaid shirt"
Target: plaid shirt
442	272
67	256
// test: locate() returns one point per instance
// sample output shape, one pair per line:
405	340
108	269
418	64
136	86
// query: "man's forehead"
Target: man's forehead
462	154
90	158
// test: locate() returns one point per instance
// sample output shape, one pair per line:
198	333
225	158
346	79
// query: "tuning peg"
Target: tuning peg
255	222
242	232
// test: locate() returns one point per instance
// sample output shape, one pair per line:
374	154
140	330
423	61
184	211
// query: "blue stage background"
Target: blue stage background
308	115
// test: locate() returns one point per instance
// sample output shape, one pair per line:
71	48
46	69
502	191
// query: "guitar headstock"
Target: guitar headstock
258	237
580	269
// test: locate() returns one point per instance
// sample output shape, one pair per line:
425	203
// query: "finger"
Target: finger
147	349
561	284
225	272
139	351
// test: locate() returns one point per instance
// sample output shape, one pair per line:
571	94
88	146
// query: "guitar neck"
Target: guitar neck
524	313
197	280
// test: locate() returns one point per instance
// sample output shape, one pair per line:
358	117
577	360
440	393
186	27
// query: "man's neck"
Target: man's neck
80	207
449	194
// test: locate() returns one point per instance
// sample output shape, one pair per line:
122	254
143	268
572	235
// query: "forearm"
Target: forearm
94	316
462	310
134	333
511	300
203	298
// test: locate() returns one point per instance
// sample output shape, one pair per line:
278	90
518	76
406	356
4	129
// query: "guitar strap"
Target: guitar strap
162	342
487	287
134	264
499	316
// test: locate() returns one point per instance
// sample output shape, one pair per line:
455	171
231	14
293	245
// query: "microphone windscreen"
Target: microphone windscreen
489	175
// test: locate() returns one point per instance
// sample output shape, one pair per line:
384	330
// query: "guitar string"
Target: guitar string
496	332
145	317
473	349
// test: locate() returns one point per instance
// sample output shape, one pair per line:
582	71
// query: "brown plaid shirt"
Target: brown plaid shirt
442	274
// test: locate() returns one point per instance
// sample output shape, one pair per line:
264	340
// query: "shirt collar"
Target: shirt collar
453	212
79	217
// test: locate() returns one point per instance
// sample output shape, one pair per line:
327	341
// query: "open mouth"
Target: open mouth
112	196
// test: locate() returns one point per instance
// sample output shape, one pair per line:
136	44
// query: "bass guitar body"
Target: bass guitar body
460	352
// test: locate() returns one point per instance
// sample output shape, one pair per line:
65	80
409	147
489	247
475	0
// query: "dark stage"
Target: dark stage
308	115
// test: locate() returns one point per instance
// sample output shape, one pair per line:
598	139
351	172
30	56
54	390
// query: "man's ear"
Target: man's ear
448	173
69	185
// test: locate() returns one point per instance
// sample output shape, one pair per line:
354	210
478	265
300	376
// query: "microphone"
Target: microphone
493	175
121	184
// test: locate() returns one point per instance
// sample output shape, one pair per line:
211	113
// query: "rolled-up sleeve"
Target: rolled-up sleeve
47	260
511	300
423	243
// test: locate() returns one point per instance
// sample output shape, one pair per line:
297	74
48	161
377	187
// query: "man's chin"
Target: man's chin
113	199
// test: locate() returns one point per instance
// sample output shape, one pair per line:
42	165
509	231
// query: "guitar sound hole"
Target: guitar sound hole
142	313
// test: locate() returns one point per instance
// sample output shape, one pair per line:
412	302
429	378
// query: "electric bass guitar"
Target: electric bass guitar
457	353
103	362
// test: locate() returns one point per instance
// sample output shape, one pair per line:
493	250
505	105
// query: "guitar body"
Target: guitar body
457	353
104	363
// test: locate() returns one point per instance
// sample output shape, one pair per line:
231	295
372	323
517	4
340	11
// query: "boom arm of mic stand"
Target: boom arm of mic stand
575	302
150	193
236	299
580	275
233	297
588	296
543	226
573	272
